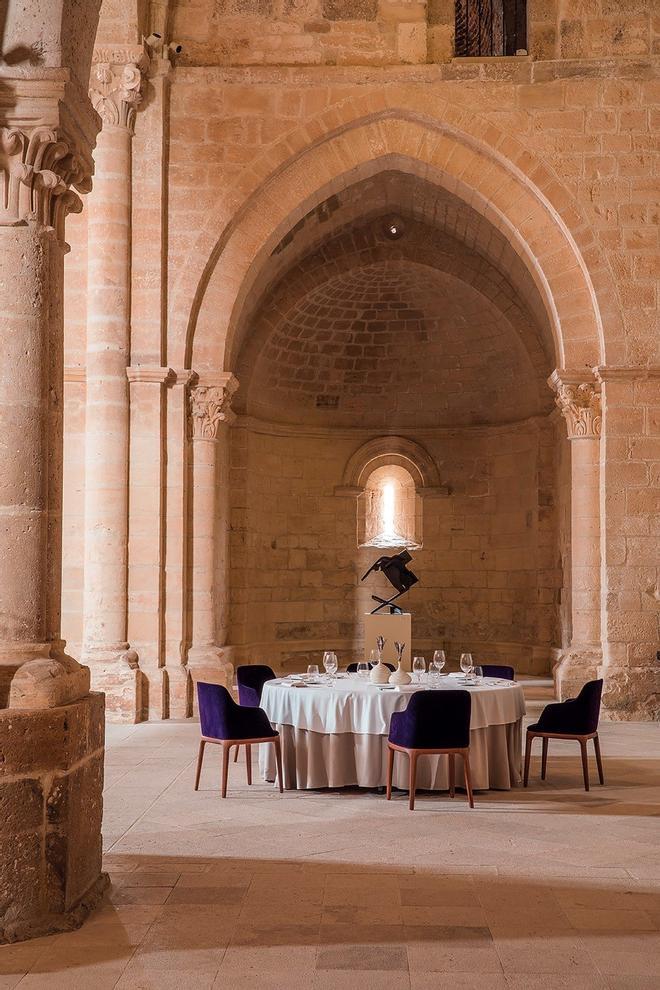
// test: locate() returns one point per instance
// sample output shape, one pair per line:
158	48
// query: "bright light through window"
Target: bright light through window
388	510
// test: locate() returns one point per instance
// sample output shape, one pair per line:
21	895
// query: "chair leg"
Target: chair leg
544	757
528	754
452	775
278	760
585	763
468	778
248	762
599	760
200	758
226	750
413	779
390	771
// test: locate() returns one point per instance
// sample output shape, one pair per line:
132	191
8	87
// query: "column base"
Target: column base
574	668
116	673
50	834
631	694
179	691
40	676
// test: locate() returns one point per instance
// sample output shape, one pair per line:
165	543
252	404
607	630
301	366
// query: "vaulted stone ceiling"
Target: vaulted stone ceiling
440	326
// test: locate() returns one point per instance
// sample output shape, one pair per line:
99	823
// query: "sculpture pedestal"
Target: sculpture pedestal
394	628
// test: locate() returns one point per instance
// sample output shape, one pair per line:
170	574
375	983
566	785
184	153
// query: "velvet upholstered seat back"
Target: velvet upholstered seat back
250	679
577	716
433	720
498	670
222	718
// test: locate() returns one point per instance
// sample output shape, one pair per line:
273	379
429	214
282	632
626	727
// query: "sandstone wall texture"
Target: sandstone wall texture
270	156
51	780
489	566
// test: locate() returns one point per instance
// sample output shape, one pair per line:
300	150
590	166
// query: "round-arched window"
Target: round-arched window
389	506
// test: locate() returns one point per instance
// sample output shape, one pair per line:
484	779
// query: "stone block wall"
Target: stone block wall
386	32
51	781
578	126
489	565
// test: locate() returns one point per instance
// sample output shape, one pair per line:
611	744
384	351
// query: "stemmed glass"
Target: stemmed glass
466	664
439	660
419	667
330	664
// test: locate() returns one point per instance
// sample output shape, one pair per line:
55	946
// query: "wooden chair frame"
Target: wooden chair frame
226	750
413	756
582	739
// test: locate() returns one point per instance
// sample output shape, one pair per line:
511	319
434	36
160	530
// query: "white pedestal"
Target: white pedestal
394	628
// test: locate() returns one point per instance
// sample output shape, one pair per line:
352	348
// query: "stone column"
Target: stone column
210	419
115	94
579	403
146	587
51	728
630	499
38	168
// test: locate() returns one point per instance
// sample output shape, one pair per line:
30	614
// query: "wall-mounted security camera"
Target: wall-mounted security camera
154	41
174	48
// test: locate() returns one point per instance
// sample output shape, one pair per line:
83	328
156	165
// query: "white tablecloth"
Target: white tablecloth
354	705
337	737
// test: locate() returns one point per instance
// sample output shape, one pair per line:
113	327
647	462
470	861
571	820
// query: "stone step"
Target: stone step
538	691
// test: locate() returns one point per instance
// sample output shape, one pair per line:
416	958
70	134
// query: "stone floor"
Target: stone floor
541	889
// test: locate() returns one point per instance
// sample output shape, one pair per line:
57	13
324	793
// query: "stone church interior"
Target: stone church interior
330	494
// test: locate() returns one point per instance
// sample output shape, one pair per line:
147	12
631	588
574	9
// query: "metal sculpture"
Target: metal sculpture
398	574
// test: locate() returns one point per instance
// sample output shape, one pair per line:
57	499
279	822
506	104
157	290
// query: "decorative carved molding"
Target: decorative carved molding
116	84
151	373
611	373
579	404
209	407
392	450
39	166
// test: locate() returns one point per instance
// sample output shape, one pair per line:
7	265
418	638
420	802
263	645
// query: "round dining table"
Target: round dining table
334	733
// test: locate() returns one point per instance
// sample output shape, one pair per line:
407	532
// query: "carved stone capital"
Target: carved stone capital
115	87
38	167
209	407
579	404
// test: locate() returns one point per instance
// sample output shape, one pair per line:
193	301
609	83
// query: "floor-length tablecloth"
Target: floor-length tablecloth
337	737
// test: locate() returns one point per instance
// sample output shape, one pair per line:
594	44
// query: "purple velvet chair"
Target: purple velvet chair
352	667
435	722
250	680
576	719
497	670
226	724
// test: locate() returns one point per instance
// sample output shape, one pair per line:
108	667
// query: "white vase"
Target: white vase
380	674
400	676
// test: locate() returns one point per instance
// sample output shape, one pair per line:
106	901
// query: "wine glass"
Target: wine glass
419	667
363	670
439	659
330	664
466	664
313	673
478	674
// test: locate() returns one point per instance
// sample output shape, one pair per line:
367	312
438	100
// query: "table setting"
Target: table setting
334	725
